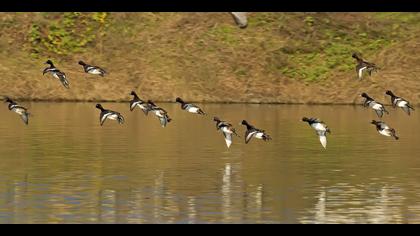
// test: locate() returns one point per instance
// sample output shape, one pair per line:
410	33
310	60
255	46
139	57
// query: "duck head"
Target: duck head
356	55
82	63
374	122
216	119
364	95
390	93
99	106
133	93
178	99
305	119
7	99
49	62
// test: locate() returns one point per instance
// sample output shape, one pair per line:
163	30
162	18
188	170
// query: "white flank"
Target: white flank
402	104
319	127
259	135
385	132
226	130
193	109
95	72
377	106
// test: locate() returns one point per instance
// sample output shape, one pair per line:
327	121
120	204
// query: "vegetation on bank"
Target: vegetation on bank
205	49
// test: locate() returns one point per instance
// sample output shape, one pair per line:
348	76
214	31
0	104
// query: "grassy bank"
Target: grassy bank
204	57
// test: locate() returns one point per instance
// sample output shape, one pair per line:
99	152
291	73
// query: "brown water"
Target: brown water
65	168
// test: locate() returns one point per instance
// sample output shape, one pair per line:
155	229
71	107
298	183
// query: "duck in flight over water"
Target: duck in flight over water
227	130
190	107
20	110
400	102
108	114
376	106
384	129
252	132
321	129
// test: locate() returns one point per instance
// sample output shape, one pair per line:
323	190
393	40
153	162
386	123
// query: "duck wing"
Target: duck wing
25	118
323	140
249	134
163	121
406	109
228	139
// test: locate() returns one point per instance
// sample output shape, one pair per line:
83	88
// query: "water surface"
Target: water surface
65	168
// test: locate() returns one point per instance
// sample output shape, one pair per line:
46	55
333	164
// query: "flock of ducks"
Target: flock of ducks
226	128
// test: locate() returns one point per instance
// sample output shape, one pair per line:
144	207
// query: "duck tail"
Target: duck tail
120	119
411	107
267	137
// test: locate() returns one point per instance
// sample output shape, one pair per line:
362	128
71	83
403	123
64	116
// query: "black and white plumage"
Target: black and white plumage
190	107
137	102
384	129
226	129
160	113
20	110
56	73
108	114
240	18
400	102
94	70
321	129
252	132
363	65
376	106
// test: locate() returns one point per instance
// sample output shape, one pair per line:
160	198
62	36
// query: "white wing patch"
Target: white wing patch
361	72
228	139
323	140
249	136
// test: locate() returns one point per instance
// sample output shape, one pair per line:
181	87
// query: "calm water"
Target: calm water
65	168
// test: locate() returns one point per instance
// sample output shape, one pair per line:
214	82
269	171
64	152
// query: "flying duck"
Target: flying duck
321	129
227	130
160	113
137	102
20	110
376	106
240	19
190	107
363	65
56	73
384	129
94	70
400	102
252	132
107	114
